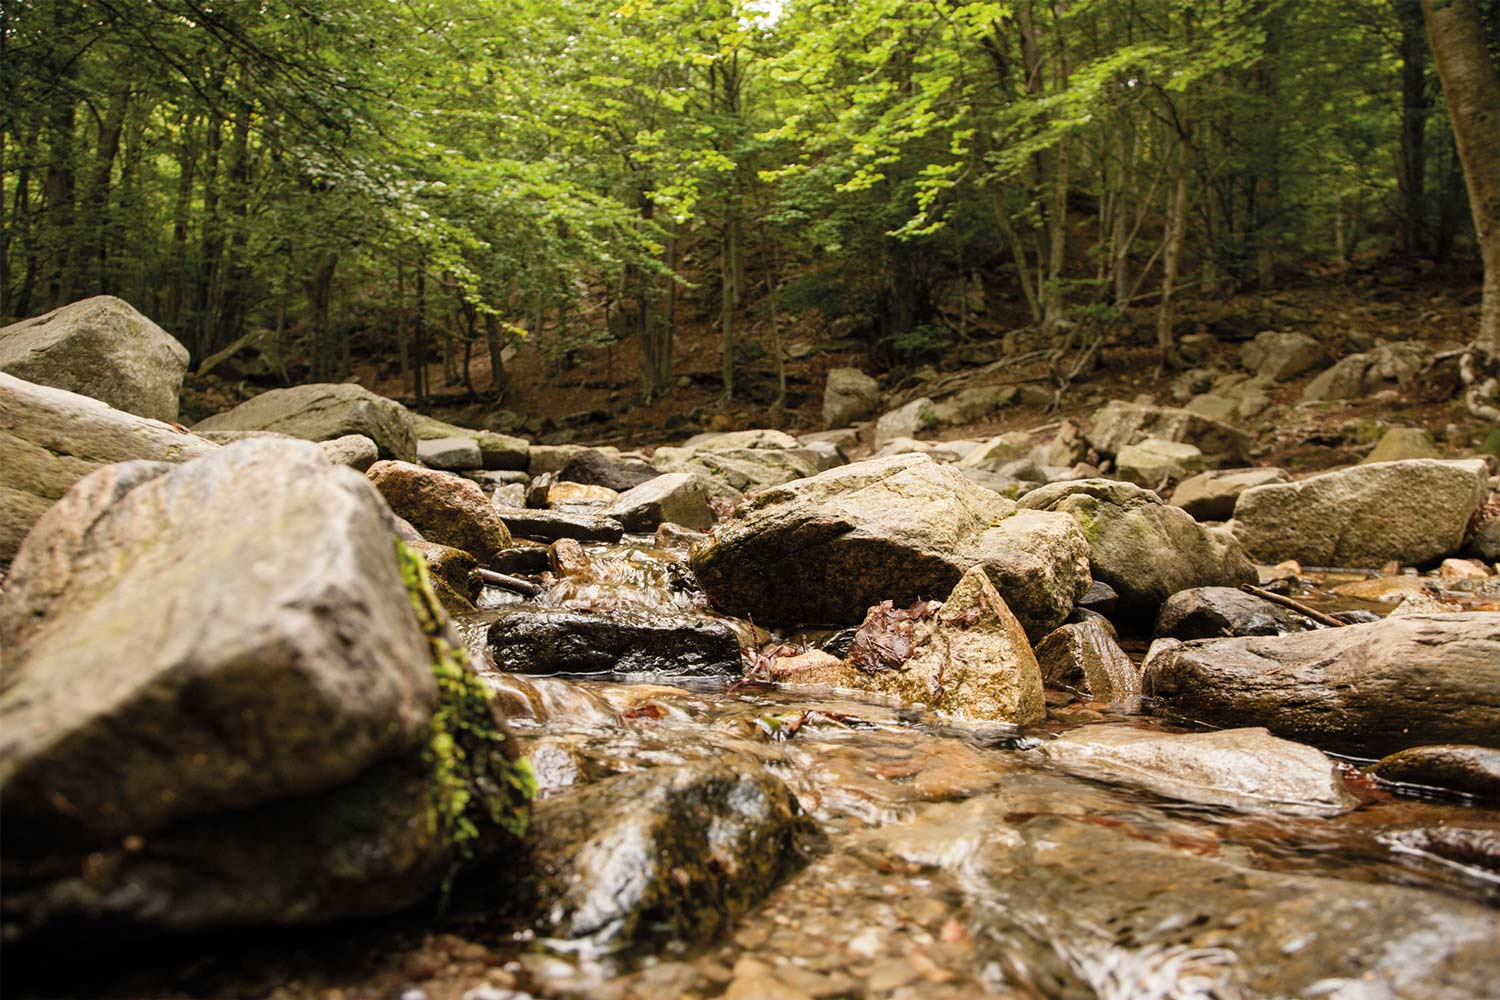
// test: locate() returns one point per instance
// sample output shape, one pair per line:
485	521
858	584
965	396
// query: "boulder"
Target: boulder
1153	461
529	639
323	412
1409	511
51	438
1118	424
848	396
1245	769
101	348
974	403
1361	689
595	468
1142	548
1214	407
1084	657
1211	495
496	451
451	572
743	440
669	854
998	451
970	661
1280	356
1214	612
1360	375
453	454
550	525
218	700
743	470
354	450
544	458
906	421
1468	770
1345	380
445	508
675	497
827	548
1402	443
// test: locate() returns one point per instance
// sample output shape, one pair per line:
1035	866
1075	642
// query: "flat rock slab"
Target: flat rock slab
1210	496
101	348
1367	690
1410	511
451	453
550	525
1118	424
322	412
531	639
1245	769
51	438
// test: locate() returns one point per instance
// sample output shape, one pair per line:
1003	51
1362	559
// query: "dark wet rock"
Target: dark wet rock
1362	689
530	639
445	508
550	525
1474	848
1085	906
452	572
566	558
1210	496
450	453
1472	770
324	412
101	348
526	558
849	395
1119	424
1142	548
674	853
354	450
1356	617
676	498
51	438
1214	612
1100	598
827	549
968	659
595	468
1409	511
1085	658
1246	769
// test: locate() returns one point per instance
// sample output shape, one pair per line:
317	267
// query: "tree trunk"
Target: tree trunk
1416	105
235	271
97	199
1471	85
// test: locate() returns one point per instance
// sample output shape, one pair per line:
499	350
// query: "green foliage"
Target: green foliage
473	781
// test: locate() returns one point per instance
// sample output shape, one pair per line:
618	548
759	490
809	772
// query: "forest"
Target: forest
423	180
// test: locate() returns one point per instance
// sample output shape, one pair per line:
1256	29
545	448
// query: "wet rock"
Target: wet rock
523	557
1119	424
668	854
354	450
452	572
595	468
1211	495
1213	612
849	395
1246	769
1079	903
1462	569
1472	770
1099	599
675	536
1142	548
676	498
566	558
101	348
1363	516
1154	461
1361	689
906	421
550	525
323	413
51	438
450	453
1474	848
529	639
970	661
1085	658
812	667
1280	356
1402	443
445	508
826	549
582	496
1393	589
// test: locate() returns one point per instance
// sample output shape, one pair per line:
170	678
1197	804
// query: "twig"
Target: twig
1297	606
513	583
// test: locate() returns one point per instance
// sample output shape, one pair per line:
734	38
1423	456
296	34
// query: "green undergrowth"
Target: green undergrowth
475	781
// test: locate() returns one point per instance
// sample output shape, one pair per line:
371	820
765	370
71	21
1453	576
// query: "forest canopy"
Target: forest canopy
414	176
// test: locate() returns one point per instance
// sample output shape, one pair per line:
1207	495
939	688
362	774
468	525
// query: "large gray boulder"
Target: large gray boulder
676	497
101	348
1409	511
906	421
739	470
849	395
1142	548
827	548
1118	424
217	687
1361	689
1279	355
323	412
51	438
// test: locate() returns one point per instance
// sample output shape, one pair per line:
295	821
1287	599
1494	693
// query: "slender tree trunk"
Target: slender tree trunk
187	162
97	200
1177	213
235	270
419	337
1416	105
59	189
499	379
210	238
